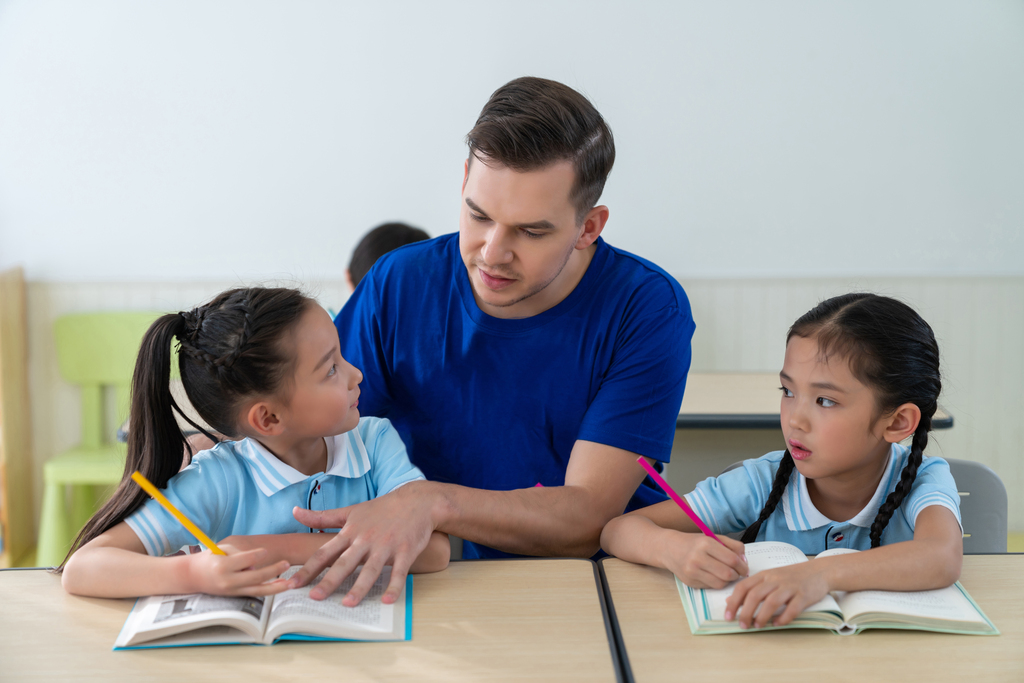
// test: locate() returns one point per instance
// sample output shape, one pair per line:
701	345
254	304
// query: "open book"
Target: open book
948	610
199	619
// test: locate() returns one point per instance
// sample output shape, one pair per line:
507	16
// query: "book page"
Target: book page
946	604
836	551
762	556
771	554
181	607
300	611
163	615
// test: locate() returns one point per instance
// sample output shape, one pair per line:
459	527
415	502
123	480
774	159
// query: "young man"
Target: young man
522	350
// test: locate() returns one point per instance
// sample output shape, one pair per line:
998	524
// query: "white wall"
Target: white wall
236	140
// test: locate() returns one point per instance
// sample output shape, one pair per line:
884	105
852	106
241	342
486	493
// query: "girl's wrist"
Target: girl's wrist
184	574
665	540
831	571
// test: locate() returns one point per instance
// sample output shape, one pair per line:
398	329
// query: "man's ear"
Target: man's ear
262	419
593	224
348	280
902	423
465	174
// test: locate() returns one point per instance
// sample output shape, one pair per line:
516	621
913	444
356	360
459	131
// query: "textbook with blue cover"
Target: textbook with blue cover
947	610
198	619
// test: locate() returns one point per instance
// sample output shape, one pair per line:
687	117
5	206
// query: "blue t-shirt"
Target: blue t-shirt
497	404
239	487
733	501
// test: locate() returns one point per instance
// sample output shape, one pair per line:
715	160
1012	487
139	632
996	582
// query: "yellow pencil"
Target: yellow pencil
148	487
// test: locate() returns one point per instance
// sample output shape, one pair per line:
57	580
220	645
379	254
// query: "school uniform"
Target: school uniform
733	501
239	487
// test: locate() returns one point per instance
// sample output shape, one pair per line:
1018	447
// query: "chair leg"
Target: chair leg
54	533
83	506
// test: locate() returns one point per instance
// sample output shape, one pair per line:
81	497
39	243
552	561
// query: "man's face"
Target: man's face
519	238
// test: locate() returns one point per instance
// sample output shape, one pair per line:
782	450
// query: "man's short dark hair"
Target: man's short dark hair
530	123
378	242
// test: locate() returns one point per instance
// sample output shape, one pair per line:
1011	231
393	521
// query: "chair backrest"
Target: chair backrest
983	506
95	350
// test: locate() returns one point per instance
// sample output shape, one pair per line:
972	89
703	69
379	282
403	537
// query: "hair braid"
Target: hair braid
225	362
778	488
193	323
906	482
208	359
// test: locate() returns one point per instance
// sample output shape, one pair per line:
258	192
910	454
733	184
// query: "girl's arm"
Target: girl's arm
932	560
435	556
296	548
663	536
115	565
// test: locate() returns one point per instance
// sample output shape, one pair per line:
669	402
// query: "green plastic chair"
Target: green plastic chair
94	351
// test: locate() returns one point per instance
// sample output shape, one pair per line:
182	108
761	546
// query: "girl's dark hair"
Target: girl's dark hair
891	349
229	350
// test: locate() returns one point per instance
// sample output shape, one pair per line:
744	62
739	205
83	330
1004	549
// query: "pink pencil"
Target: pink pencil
678	499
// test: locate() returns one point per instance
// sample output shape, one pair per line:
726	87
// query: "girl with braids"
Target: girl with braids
861	374
263	366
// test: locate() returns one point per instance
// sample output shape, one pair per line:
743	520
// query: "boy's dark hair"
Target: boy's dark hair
891	349
379	241
229	350
531	122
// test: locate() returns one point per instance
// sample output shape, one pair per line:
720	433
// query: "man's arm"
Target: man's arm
549	521
394	529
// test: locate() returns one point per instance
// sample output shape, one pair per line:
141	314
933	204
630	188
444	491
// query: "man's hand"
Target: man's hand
390	530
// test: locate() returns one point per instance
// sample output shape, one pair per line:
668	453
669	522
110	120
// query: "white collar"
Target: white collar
346	457
801	515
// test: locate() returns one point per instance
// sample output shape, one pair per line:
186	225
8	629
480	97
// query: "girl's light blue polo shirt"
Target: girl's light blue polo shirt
733	501
239	487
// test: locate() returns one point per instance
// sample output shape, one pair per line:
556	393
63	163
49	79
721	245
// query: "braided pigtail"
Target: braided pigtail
778	488
906	482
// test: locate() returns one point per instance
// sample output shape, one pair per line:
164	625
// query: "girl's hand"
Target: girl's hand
795	588
702	562
235	573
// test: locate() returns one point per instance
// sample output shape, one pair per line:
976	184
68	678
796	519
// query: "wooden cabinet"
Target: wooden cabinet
17	541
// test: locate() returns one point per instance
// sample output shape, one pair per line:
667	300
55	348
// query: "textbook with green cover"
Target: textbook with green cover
948	610
199	619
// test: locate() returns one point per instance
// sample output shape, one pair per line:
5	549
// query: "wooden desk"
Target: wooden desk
742	400
476	621
658	645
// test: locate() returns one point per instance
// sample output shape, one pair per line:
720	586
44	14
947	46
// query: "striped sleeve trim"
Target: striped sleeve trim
934	498
702	506
150	532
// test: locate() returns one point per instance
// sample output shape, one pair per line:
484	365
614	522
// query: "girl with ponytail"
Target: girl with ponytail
860	376
262	366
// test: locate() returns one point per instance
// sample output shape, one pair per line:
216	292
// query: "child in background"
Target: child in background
376	243
861	374
265	365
